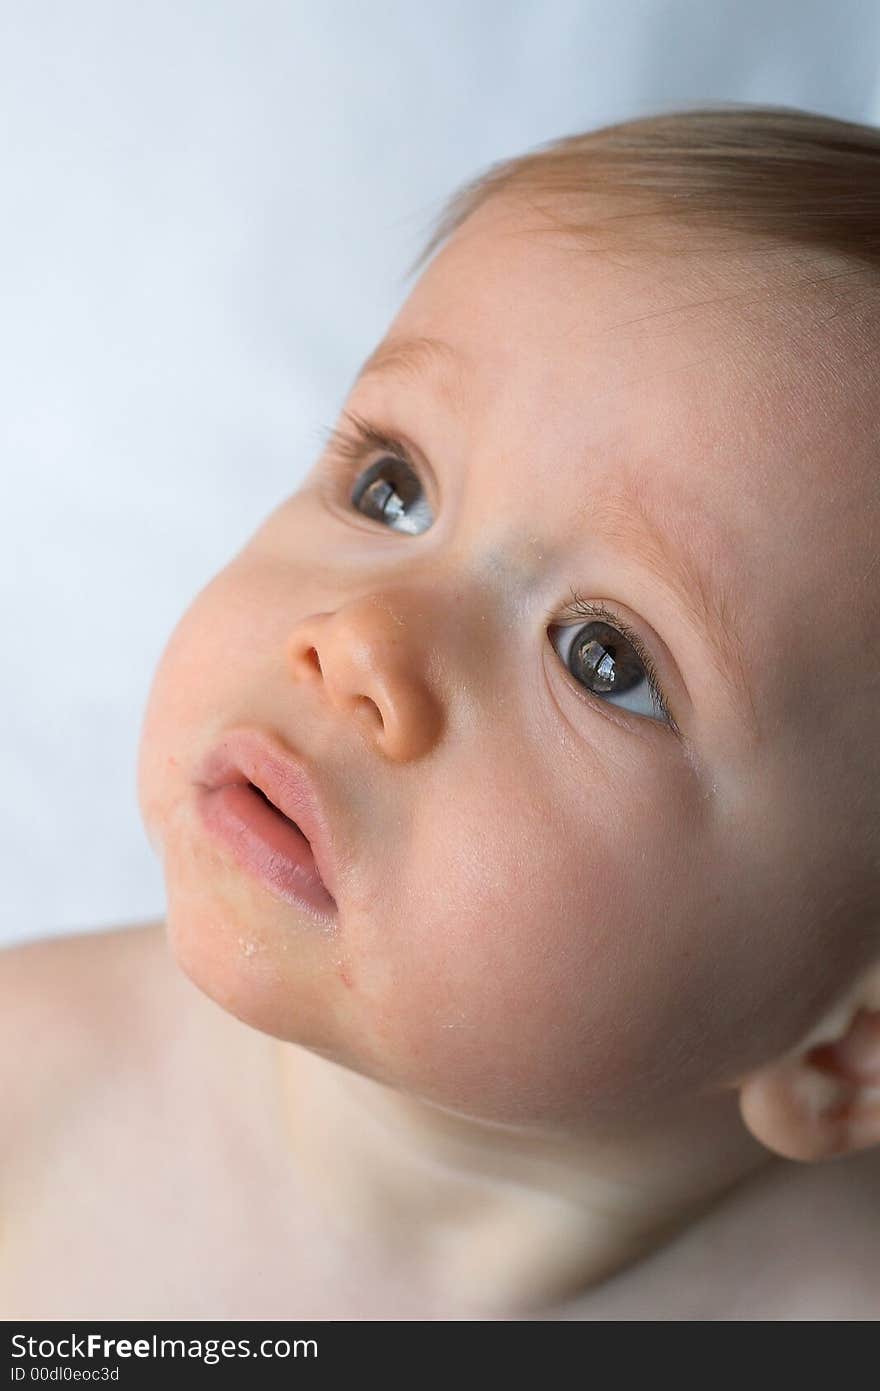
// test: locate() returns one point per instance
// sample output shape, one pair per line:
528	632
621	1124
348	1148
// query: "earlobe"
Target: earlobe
821	1102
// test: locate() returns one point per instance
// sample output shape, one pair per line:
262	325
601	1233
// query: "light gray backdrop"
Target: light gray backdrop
206	210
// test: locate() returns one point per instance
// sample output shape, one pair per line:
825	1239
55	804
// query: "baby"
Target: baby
516	789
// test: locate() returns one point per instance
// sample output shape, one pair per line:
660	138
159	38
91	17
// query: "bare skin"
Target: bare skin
146	1174
595	982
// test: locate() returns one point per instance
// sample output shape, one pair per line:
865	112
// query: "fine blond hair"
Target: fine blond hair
772	173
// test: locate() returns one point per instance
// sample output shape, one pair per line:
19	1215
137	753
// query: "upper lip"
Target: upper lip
243	756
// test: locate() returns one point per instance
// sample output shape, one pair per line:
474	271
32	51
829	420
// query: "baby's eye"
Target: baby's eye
389	490
609	660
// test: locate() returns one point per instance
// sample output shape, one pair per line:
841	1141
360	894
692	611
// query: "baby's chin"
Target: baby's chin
268	965
274	970
286	990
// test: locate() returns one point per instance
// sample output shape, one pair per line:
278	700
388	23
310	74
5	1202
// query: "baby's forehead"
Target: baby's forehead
740	379
732	293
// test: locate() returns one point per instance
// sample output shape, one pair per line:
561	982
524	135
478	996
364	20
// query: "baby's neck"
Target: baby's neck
491	1220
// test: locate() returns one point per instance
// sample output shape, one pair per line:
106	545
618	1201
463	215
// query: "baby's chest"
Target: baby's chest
101	1229
125	1222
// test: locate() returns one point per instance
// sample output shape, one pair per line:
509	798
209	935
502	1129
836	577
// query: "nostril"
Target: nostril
306	662
367	709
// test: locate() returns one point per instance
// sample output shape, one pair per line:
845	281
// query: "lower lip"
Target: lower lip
266	845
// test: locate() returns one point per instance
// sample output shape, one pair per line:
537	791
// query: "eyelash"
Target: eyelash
346	451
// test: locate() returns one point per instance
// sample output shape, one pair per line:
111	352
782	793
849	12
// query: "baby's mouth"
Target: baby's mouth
231	780
267	802
260	793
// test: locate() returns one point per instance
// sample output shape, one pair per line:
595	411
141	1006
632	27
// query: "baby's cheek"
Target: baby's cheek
501	1003
552	977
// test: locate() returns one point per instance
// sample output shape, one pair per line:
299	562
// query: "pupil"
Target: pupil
391	492
597	656
603	666
380	495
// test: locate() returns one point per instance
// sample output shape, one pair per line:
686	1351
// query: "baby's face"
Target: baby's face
556	906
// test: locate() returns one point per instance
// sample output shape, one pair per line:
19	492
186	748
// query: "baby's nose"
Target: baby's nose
373	660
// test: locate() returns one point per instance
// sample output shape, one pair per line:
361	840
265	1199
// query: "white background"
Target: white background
206	211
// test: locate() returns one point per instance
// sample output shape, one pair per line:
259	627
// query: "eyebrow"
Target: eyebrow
665	551
412	358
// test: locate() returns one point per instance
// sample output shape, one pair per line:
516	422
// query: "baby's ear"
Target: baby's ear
824	1099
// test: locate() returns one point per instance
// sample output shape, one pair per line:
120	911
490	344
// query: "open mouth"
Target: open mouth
271	805
266	839
268	843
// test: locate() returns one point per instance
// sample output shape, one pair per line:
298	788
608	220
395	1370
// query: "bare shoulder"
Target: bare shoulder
50	958
834	1259
799	1243
55	980
65	1005
131	1123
